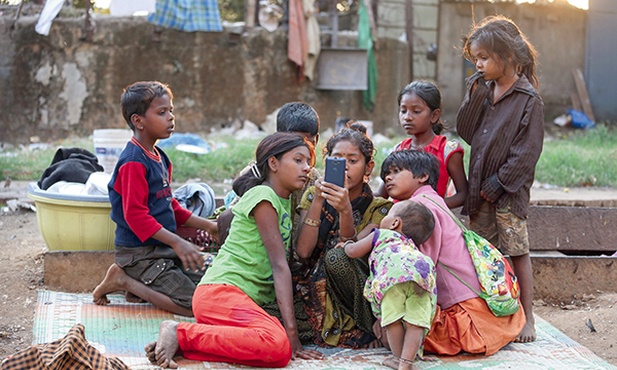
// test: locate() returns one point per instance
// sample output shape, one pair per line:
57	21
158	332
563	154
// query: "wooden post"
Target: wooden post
88	26
334	24
409	33
251	11
582	93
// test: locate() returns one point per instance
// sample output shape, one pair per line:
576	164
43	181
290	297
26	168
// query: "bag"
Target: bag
498	284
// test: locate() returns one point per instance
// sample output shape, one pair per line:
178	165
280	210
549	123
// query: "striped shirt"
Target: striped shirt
506	141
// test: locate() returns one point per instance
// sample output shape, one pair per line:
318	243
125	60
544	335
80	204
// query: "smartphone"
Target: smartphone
335	171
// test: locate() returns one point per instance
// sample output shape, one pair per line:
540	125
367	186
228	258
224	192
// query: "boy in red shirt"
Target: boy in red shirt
152	261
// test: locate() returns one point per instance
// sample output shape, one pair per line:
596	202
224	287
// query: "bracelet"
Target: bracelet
351	238
311	222
347	243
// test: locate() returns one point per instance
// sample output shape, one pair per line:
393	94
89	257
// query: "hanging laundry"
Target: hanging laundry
297	39
187	15
365	41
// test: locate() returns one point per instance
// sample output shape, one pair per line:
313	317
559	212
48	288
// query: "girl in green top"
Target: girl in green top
250	269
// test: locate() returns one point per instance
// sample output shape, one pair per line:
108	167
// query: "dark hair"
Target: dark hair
431	95
297	117
274	145
500	36
417	162
355	133
418	221
137	97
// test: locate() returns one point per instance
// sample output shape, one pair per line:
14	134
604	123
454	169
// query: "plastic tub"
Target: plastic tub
73	222
108	144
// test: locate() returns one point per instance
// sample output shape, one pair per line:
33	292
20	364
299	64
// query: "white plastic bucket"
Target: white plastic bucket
108	144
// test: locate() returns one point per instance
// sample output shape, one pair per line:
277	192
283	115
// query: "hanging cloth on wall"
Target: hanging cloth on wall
313	40
365	41
297	39
49	12
187	15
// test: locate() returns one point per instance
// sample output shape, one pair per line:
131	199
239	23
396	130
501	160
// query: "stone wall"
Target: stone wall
61	85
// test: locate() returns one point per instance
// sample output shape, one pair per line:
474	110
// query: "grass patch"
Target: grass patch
583	158
28	163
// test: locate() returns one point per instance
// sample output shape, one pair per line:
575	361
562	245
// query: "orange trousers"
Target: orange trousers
470	326
231	327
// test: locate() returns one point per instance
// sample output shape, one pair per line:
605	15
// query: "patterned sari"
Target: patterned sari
331	285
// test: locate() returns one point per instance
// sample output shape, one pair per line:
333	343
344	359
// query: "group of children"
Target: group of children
414	300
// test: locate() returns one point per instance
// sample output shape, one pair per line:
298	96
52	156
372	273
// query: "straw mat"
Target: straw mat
123	329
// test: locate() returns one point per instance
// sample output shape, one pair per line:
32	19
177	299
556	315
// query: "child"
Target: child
419	114
250	269
152	262
401	285
503	121
463	321
299	118
331	214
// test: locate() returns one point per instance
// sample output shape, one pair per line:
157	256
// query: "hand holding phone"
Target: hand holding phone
335	171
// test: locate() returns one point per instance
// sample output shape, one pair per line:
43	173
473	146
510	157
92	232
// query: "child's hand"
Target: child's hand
337	197
190	255
299	352
319	195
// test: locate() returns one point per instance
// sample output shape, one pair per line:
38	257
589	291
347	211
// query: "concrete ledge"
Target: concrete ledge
553	231
560	278
557	277
572	228
76	271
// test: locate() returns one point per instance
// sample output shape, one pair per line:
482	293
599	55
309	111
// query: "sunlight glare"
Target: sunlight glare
583	4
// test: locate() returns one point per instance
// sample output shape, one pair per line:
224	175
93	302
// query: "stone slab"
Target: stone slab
573	229
561	278
76	271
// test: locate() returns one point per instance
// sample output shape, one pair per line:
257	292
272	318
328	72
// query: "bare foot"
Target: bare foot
391	362
528	334
113	281
132	298
150	349
167	345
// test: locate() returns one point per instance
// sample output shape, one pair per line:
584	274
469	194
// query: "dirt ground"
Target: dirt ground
21	275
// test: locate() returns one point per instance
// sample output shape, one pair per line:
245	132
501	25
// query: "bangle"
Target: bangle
406	361
351	238
311	222
347	242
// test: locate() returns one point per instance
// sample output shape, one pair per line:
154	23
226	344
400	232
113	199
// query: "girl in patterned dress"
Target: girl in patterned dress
401	285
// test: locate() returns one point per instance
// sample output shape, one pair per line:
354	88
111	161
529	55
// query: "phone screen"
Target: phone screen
335	171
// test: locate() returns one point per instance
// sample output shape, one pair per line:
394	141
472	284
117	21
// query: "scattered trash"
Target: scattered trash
562	121
580	119
190	143
14	205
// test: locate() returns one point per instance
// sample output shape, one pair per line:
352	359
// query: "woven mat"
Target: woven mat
123	329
